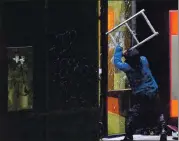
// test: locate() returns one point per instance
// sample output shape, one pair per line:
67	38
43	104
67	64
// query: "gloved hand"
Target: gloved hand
130	52
125	53
120	49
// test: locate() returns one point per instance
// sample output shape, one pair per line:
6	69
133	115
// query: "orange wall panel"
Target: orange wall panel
111	70
113	105
110	18
173	22
174	108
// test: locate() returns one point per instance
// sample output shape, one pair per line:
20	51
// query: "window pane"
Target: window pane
118	11
20	78
118	100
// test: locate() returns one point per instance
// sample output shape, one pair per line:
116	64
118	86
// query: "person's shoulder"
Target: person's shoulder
119	48
144	59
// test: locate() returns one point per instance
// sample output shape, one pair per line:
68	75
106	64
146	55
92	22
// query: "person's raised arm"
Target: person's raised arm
118	60
145	61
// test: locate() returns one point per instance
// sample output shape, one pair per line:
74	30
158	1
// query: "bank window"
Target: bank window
118	97
117	12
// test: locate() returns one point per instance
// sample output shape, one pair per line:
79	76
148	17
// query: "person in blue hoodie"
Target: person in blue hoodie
144	89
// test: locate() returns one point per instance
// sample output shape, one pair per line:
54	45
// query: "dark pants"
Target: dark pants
143	109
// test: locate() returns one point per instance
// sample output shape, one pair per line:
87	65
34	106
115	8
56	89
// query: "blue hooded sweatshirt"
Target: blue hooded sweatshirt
140	84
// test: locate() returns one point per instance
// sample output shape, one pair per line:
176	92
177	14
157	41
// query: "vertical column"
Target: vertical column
40	59
104	50
3	68
3	80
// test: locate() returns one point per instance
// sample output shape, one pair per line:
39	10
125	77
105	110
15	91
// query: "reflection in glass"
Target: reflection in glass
20	78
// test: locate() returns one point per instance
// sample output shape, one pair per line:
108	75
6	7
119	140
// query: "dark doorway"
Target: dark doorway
157	50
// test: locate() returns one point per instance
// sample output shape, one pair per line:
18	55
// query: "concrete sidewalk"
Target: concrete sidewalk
139	138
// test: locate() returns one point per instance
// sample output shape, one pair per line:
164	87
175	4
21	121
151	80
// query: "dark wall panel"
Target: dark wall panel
157	49
73	70
65	43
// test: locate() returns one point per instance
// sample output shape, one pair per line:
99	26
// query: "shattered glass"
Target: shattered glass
117	80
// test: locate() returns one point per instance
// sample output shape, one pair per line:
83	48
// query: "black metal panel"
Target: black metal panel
73	70
39	43
104	65
17	23
11	1
74	93
73	54
3	69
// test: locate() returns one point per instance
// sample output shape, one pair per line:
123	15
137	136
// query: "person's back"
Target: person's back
140	79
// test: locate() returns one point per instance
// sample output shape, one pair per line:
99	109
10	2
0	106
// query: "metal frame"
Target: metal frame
130	30
20	47
104	67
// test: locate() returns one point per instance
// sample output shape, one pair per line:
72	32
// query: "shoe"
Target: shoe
128	139
175	135
163	137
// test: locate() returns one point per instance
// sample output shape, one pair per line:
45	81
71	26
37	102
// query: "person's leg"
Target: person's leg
147	113
131	122
162	124
161	118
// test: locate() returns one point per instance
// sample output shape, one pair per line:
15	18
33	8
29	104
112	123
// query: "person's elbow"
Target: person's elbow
118	66
121	66
117	62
